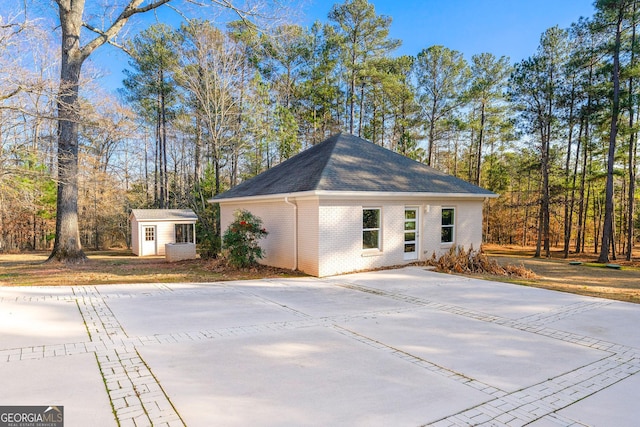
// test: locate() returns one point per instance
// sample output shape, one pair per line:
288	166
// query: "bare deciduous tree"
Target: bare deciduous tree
71	13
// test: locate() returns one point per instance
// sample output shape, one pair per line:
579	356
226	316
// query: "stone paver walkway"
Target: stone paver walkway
397	347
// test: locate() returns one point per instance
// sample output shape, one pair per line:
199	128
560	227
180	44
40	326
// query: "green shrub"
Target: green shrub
241	240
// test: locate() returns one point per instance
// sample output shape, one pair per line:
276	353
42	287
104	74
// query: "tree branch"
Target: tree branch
242	14
228	4
106	36
5	26
11	94
176	10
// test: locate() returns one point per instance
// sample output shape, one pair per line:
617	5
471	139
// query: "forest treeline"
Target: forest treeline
207	105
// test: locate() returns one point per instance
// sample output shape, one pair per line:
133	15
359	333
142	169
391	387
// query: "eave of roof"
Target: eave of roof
354	195
164	215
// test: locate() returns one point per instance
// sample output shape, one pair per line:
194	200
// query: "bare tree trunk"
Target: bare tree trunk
543	219
352	93
632	151
382	130
597	218
235	156
546	197
156	162
197	166
480	143
360	116
217	167
164	177
573	190
67	245
432	134
538	252
607	230
162	154
632	190
525	225
567	211
582	217
456	148
619	233
470	159
146	167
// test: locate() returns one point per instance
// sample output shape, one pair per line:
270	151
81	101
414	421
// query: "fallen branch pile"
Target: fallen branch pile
457	260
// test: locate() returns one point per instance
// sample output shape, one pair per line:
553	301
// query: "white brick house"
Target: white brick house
347	205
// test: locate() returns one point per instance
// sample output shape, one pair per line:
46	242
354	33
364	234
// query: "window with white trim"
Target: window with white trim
371	229
448	225
184	233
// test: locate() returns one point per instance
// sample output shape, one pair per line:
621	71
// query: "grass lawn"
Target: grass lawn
587	278
121	267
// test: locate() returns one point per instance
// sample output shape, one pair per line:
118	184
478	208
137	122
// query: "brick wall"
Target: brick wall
277	218
330	232
308	236
341	243
340	224
467	221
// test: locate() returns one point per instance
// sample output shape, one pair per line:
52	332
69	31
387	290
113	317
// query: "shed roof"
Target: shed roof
346	163
164	214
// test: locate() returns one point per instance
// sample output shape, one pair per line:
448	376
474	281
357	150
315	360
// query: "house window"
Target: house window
184	233
371	228
448	228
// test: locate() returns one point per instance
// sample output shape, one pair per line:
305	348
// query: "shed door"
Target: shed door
410	233
149	237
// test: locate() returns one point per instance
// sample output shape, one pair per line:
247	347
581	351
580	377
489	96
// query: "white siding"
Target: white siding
165	233
135	239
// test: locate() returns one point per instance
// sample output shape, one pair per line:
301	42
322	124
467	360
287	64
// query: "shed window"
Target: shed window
149	234
184	233
448	225
371	228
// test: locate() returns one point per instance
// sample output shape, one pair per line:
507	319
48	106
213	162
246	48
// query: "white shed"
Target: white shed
347	204
152	229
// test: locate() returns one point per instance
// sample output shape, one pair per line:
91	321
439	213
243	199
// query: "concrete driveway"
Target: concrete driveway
405	347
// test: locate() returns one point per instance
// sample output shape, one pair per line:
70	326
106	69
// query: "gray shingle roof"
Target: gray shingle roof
164	214
348	163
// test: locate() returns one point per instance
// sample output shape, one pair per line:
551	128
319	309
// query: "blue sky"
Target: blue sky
503	27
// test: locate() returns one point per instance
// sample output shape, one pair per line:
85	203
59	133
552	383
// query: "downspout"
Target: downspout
295	232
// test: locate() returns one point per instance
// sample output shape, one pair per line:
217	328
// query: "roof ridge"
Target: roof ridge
323	175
